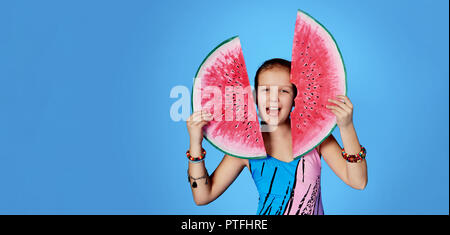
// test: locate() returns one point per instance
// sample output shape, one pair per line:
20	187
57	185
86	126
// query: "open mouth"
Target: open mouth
273	111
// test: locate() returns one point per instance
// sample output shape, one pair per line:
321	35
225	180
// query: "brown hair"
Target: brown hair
268	64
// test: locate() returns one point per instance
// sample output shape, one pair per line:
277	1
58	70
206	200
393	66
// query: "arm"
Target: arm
224	175
353	174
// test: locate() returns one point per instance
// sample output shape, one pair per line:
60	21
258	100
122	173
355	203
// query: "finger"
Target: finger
205	111
340	104
201	123
207	116
200	116
346	99
337	109
192	117
196	117
336	113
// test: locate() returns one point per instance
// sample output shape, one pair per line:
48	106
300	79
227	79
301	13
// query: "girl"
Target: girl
285	186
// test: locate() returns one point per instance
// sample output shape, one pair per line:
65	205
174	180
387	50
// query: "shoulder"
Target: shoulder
329	140
242	162
318	150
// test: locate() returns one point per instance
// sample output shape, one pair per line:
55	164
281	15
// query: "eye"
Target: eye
285	91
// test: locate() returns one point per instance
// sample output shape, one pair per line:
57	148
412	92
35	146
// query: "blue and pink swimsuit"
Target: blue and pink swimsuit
288	188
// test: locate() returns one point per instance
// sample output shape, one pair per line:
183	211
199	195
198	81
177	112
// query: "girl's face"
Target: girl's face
275	95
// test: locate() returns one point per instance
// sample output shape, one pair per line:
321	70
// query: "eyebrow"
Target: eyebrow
284	86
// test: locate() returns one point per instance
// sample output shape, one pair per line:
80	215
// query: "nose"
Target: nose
273	96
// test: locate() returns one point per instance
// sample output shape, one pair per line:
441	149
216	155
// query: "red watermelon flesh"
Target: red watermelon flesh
318	72
222	87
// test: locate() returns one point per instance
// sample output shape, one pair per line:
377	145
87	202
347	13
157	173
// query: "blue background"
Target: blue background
84	101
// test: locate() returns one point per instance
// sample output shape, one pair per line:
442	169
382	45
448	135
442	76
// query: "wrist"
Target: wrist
196	140
347	127
195	145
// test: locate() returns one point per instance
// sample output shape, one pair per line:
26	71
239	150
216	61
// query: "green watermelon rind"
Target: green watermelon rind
345	73
192	100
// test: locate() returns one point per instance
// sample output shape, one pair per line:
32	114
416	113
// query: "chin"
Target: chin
281	120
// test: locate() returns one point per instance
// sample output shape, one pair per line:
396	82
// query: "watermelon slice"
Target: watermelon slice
222	87
318	71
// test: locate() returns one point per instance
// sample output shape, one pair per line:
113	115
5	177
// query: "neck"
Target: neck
281	132
279	141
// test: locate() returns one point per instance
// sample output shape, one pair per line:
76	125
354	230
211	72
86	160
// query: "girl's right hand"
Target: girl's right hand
195	123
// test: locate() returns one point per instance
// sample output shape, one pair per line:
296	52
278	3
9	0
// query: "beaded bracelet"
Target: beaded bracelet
355	158
198	159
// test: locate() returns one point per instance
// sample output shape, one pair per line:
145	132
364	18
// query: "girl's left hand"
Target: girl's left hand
343	110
